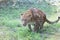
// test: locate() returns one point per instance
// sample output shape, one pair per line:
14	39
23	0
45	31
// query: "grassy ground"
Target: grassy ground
11	28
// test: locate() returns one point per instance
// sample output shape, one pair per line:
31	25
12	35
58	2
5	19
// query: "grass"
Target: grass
11	28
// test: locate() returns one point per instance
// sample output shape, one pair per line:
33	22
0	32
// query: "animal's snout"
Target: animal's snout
24	23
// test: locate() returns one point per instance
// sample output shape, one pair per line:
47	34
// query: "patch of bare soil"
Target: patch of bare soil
56	36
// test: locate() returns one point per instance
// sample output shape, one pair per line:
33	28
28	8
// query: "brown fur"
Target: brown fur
37	17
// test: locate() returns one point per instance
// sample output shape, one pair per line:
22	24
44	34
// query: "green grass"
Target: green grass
11	28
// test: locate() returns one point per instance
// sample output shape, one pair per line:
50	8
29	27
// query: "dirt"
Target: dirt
56	36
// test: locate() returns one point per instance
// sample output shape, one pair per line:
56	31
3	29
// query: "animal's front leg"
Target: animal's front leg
29	26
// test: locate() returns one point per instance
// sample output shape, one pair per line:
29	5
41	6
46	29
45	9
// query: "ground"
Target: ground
18	33
11	28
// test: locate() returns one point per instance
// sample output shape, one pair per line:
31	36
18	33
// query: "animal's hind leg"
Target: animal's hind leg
36	27
41	27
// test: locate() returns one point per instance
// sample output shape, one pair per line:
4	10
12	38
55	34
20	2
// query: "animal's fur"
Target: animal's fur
37	17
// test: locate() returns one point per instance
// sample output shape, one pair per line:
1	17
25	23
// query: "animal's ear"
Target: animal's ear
21	14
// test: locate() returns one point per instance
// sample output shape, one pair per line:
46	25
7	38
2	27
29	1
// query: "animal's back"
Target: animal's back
38	14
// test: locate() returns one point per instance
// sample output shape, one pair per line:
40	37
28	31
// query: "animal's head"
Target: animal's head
26	18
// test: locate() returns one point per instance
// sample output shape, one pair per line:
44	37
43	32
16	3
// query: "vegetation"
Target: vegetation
11	28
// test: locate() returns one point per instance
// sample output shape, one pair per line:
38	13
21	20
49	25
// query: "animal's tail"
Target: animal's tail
52	22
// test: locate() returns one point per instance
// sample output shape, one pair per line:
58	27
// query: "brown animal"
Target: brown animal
36	17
